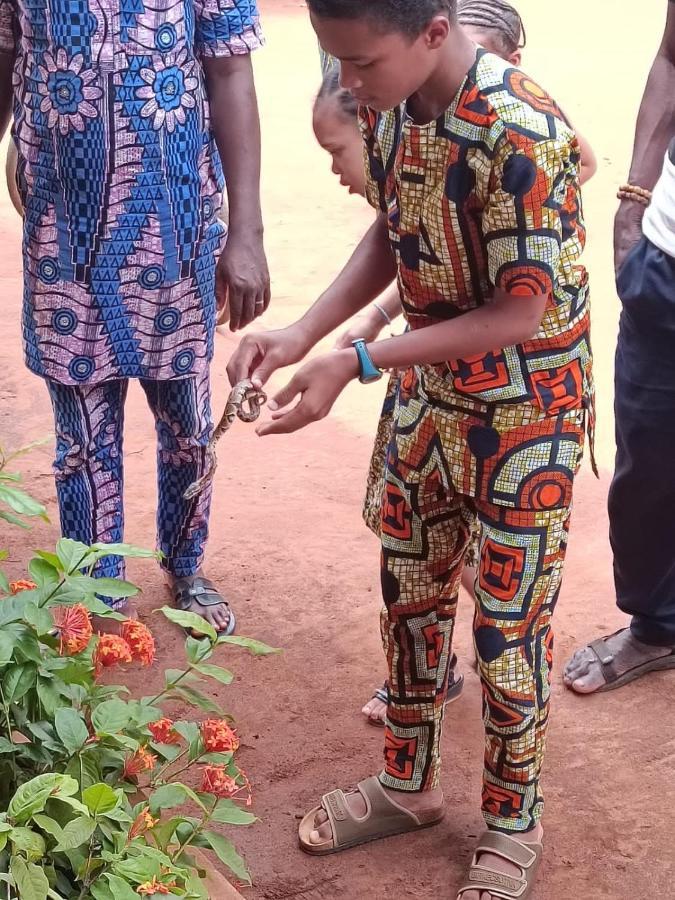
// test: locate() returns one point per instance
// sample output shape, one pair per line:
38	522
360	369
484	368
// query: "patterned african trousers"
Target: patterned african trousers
89	466
427	526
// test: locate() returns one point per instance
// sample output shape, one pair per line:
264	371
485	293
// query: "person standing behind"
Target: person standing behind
123	115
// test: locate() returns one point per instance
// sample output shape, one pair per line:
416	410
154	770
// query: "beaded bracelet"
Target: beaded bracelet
636	193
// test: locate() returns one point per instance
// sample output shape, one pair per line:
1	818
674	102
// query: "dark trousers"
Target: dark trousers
642	496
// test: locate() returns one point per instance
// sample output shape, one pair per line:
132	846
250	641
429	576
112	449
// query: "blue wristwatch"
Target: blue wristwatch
367	368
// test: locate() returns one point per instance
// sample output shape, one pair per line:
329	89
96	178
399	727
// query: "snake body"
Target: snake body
245	403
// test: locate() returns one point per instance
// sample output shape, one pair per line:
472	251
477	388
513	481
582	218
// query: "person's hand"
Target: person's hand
260	354
319	383
627	230
366	325
243	279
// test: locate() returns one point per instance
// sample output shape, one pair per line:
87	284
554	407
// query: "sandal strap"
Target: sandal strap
606	657
197	589
347	828
382	694
499	884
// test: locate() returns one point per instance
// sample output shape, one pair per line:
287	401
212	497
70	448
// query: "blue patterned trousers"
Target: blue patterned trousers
90	473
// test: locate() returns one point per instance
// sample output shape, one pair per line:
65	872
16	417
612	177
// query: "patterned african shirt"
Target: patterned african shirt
120	179
488	196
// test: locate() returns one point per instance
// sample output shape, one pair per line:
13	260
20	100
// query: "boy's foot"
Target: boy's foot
375	710
198	594
613	661
496	863
419	803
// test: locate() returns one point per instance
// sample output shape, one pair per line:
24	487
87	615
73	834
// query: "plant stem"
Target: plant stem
173	684
167	765
206	818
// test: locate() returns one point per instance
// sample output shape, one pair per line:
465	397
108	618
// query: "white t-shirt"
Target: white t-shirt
658	224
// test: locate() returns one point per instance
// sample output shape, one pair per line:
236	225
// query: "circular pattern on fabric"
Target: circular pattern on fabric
81	368
64	321
460	181
48	270
546	490
528	90
525	281
151	277
183	362
490	643
483	441
520	175
207	209
166	37
167	321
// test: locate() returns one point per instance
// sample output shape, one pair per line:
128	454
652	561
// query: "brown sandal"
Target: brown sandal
383	818
499	885
614	679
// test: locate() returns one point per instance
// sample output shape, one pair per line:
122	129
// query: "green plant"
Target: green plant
15	504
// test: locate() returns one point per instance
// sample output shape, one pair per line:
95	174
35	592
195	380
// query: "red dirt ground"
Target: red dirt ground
288	543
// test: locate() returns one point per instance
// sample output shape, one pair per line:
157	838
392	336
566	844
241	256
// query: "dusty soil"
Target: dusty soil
288	544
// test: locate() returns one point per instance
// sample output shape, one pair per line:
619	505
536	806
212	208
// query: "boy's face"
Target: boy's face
381	69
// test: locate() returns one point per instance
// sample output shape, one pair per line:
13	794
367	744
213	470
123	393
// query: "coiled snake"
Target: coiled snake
245	402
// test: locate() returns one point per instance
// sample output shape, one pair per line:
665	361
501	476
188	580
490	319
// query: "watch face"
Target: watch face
371	379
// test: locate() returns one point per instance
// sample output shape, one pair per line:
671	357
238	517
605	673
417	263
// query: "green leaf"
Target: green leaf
99	799
21	502
228	813
31	882
71	728
71	554
111	717
187	730
167	797
18	681
32	796
139	870
197	698
215	672
171	676
98	608
13	520
103	587
76	833
50	558
120	888
51	826
190	621
49	696
27	841
7	641
7	746
85	769
257	648
227	854
100	890
39	618
197	650
43	573
128	550
4	583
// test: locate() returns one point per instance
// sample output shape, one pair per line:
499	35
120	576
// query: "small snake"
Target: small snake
245	402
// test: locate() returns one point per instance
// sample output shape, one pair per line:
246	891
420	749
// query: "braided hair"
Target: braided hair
495	16
331	87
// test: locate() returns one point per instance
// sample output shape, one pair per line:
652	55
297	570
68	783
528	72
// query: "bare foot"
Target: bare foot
104	625
469	581
497	864
583	673
202	598
418	802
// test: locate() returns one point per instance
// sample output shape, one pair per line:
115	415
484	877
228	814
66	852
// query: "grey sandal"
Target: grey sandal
384	818
499	885
201	590
613	679
455	688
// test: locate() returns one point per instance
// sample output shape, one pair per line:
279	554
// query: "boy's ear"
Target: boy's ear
436	32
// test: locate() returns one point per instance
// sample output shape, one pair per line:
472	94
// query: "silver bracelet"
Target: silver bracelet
383	312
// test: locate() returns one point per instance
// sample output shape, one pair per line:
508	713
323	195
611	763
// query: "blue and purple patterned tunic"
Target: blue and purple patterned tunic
121	181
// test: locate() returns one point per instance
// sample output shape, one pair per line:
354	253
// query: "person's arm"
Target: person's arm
589	161
226	32
380	314
654	130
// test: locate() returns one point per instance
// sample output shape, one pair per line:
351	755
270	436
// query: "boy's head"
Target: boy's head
494	24
387	48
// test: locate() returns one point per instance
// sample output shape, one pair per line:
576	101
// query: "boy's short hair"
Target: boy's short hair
407	16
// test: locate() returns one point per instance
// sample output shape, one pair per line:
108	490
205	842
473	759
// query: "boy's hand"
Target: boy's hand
319	383
259	355
367	325
243	279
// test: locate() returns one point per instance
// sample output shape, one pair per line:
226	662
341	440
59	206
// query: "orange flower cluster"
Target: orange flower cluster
73	624
15	587
217	782
154	887
163	732
111	650
140	641
218	737
140	761
143	822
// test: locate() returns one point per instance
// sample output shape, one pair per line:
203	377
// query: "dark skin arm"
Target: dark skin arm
654	132
242	275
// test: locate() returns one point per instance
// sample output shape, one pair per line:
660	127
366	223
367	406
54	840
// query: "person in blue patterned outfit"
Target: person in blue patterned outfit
121	159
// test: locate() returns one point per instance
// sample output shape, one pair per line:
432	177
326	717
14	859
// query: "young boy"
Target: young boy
119	164
475	175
